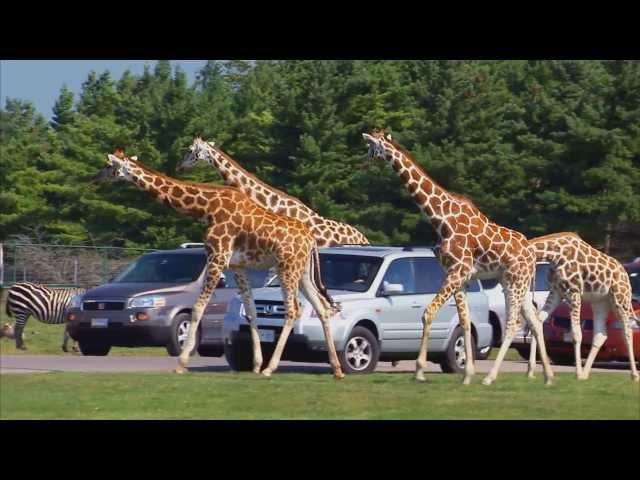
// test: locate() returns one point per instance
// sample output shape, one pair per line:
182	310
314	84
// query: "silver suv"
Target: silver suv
383	292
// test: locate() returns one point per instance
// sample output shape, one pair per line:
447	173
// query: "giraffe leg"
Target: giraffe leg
215	265
322	309
530	314
623	316
600	310
465	321
553	300
453	282
290	294
250	308
575	300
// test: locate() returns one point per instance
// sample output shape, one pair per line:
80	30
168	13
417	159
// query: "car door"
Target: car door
401	313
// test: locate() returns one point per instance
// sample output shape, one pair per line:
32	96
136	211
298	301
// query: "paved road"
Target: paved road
69	363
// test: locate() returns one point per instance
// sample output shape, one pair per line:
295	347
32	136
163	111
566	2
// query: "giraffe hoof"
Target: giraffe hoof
420	377
531	375
466	381
180	368
487	381
338	375
256	370
266	373
548	382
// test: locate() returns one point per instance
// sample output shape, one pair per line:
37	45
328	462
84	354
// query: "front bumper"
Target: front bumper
122	330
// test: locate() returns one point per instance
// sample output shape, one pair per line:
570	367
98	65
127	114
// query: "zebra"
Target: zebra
45	304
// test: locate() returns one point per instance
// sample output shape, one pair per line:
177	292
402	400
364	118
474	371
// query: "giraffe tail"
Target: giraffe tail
317	278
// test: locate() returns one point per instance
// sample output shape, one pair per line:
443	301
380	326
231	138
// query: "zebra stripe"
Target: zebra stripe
46	304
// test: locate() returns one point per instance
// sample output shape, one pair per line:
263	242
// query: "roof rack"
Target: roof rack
191	245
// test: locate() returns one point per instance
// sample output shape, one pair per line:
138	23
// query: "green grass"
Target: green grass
224	395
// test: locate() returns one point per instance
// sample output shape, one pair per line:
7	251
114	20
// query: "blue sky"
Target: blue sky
40	80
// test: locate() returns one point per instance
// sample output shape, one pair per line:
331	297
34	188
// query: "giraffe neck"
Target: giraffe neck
434	201
263	194
179	195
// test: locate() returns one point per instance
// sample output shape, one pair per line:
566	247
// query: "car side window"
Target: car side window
429	275
541	277
401	272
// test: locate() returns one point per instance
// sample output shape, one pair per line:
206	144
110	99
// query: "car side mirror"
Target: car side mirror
392	288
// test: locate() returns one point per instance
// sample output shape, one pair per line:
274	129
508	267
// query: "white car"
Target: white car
497	310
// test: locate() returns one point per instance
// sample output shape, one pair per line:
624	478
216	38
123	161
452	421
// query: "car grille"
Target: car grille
270	309
97	305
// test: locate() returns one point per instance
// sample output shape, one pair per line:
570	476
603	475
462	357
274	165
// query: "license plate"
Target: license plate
99	322
568	337
266	335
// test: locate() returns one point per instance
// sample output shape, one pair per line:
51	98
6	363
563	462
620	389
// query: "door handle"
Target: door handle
416	306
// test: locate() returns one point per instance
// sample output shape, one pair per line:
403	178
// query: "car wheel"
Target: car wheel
454	359
361	352
94	349
210	351
524	351
178	334
239	356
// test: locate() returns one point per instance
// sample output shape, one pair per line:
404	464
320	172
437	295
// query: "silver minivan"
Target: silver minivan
383	292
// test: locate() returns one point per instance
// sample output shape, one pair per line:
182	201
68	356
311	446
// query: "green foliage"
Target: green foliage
540	146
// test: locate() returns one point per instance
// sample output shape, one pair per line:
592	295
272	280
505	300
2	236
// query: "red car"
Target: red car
557	330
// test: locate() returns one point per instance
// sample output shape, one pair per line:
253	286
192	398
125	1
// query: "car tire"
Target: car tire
239	356
361	352
452	361
210	350
177	334
524	352
94	349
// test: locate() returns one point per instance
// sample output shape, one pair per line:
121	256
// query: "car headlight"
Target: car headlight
76	301
149	301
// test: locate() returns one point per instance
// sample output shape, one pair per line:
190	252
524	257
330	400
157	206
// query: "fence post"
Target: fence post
75	271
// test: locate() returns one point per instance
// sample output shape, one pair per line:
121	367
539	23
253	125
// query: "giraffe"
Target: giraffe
469	246
240	234
579	271
327	232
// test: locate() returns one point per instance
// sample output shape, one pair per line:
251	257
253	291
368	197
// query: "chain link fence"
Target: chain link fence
62	265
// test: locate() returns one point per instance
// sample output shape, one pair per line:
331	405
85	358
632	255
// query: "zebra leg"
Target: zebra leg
21	321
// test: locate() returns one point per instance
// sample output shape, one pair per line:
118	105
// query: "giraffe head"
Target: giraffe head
118	167
199	151
380	146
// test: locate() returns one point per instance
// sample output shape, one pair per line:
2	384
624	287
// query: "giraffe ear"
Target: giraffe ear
388	136
213	144
111	158
134	158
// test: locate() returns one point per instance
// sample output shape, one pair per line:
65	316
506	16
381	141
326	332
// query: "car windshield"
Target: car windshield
345	272
163	268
